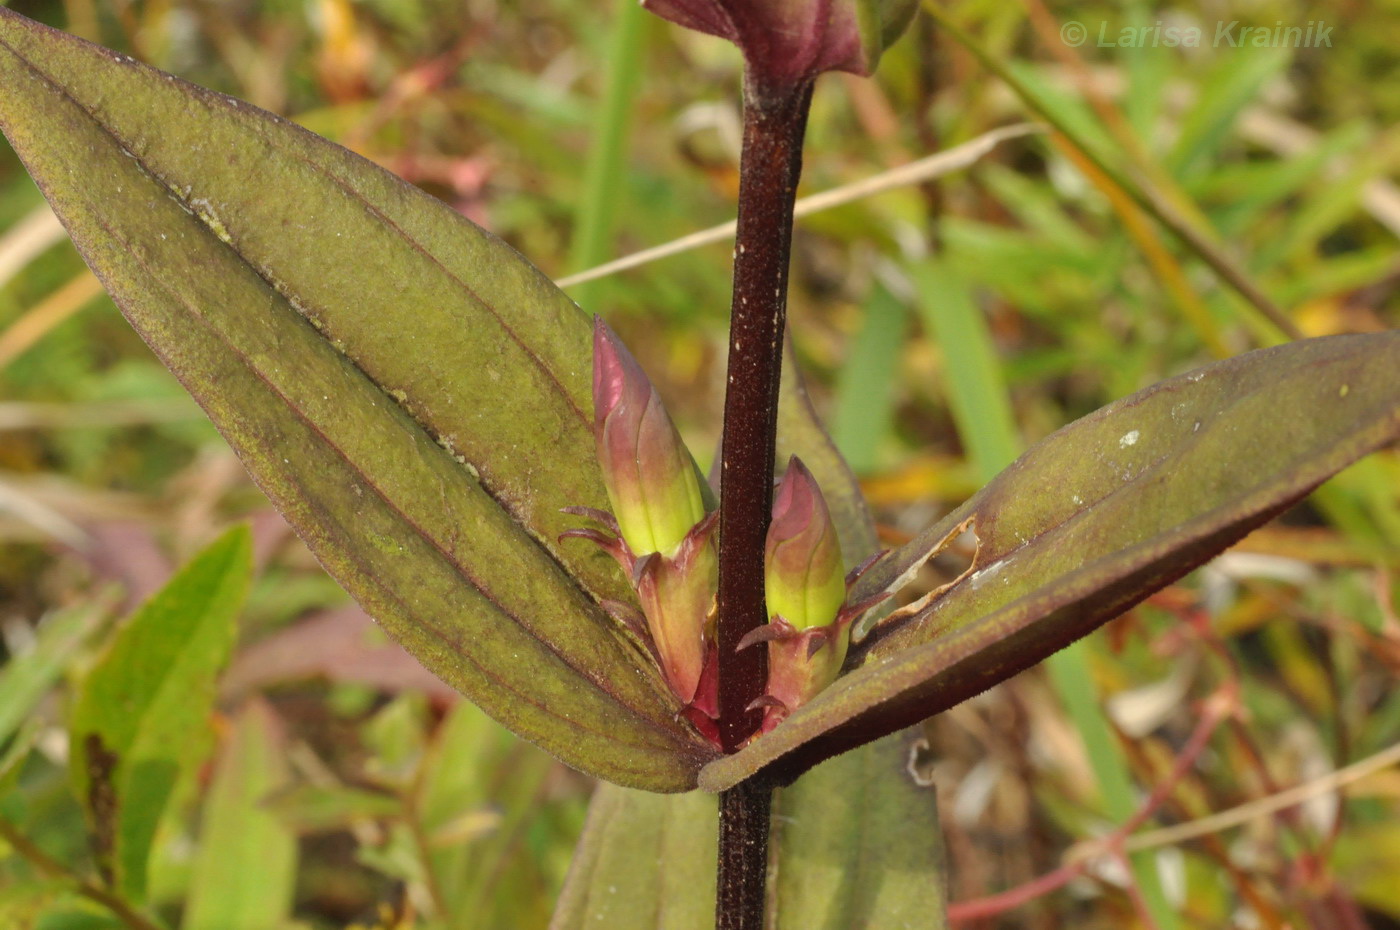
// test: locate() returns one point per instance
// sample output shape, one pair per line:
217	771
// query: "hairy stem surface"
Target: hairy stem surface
743	856
774	123
770	165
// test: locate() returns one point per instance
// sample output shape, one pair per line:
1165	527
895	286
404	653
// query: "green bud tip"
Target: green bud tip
803	571
650	478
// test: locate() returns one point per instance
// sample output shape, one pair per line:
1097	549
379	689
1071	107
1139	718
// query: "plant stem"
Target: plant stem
743	856
775	120
51	868
774	123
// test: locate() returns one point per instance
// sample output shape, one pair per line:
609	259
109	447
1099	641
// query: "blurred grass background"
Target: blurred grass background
944	327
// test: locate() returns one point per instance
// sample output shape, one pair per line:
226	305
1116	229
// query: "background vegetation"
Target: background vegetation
335	781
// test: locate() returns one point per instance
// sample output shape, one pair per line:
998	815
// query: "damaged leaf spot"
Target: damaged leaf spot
914	608
102	803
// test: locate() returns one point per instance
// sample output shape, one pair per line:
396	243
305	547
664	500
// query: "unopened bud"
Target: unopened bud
650	478
791	41
804	581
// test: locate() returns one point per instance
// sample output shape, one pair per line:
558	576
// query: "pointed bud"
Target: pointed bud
804	579
650	478
787	42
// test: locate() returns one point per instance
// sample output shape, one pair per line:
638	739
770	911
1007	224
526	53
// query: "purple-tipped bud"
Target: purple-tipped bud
804	581
787	42
650	478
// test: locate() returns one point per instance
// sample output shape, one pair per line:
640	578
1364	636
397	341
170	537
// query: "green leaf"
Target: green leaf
245	866
477	823
644	862
855	843
1231	86
26	678
801	433
858	844
1091	520
140	716
408	391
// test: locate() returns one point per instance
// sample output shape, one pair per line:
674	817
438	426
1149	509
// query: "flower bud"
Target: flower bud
804	580
678	599
650	478
791	41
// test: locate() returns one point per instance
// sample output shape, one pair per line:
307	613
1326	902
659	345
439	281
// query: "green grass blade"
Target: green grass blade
602	189
863	413
976	390
26	678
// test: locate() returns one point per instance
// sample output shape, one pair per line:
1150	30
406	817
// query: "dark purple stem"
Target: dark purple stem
775	120
772	160
743	855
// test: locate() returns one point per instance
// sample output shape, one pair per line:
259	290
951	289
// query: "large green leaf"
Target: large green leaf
855	843
138	717
1091	520
407	390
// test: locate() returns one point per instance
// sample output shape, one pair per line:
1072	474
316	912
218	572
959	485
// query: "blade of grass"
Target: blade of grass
1159	257
26	678
863	414
1224	93
976	390
982	411
1197	240
1222	104
602	189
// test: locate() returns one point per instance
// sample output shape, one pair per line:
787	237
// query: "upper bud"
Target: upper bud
790	41
804	578
650	478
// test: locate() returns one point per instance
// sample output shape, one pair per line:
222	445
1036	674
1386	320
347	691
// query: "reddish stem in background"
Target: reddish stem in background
1217	709
775	120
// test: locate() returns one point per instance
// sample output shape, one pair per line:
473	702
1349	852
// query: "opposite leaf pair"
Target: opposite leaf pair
431	489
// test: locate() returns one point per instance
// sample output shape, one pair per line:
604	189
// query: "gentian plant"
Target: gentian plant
490	473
